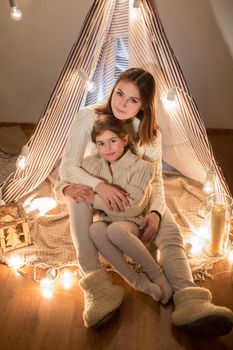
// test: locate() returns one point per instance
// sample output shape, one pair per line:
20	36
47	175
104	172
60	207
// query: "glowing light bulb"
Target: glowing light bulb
208	186
197	245
134	10
47	283
40	206
199	240
67	279
90	85
169	100
15	261
16	14
21	161
47	287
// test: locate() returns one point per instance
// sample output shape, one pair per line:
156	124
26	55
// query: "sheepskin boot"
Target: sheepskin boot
195	313
101	298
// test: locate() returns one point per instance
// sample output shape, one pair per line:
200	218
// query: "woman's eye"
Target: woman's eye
133	100
119	93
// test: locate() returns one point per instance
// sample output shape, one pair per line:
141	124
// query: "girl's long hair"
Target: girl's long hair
145	83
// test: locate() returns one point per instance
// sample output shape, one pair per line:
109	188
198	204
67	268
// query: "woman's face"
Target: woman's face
126	100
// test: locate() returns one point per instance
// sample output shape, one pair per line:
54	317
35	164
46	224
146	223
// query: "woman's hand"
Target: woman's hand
151	224
114	199
79	193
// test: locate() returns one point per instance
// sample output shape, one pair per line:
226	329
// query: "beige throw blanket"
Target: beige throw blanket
52	243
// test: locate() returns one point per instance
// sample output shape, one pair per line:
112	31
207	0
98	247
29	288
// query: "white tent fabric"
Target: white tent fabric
110	34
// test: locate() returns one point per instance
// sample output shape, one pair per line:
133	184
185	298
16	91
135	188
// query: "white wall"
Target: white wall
34	50
199	33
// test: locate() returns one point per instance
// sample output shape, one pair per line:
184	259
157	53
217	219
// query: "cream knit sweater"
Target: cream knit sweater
130	173
79	145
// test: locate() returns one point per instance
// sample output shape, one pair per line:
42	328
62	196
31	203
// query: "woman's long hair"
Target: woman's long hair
145	83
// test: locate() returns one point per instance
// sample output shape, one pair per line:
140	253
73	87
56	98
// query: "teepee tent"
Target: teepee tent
117	35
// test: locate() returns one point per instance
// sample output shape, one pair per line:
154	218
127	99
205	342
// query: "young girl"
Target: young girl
133	101
116	164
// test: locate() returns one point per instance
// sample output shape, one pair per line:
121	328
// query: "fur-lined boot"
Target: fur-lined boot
195	313
101	298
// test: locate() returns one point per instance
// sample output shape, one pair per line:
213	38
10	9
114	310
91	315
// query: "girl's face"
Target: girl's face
110	146
126	100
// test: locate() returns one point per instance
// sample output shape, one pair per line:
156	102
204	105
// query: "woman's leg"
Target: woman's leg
98	233
81	217
101	297
123	234
172	255
194	311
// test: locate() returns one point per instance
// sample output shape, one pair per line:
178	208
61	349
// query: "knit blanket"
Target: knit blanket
52	242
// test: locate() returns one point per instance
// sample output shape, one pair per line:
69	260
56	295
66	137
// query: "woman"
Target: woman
133	101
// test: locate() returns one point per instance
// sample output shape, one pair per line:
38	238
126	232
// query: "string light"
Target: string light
47	282
16	13
21	161
208	186
39	206
89	84
15	261
67	279
199	239
134	11
169	100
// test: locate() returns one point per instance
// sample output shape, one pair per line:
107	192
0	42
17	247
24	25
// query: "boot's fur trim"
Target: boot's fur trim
191	293
195	313
93	278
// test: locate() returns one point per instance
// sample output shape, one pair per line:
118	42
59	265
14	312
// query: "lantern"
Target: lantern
14	227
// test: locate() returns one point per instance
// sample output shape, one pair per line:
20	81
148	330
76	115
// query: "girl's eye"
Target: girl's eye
114	140
133	100
100	144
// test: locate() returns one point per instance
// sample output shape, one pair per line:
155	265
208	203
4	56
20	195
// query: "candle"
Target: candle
217	229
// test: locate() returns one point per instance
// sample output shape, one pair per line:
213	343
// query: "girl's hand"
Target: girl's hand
114	199
78	192
151	224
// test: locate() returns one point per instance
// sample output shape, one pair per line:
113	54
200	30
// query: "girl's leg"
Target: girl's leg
172	255
81	217
123	234
98	233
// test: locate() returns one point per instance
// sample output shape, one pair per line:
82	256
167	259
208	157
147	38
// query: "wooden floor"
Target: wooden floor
30	322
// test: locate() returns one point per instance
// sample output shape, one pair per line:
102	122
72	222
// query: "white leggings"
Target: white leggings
121	237
168	240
